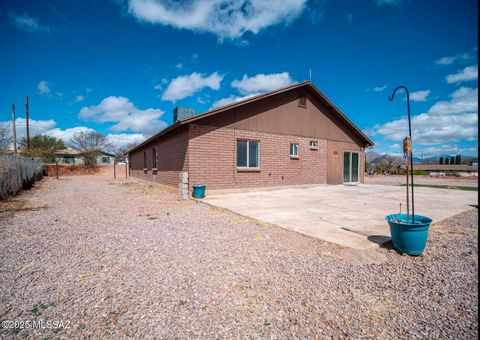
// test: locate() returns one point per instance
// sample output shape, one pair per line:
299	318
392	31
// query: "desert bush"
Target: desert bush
452	173
420	172
17	173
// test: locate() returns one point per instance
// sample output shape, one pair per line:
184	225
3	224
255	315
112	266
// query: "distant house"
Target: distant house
291	136
445	169
72	156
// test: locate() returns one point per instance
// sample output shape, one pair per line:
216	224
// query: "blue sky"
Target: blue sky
120	67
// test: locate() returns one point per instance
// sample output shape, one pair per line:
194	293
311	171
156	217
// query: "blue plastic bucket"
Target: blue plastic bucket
198	191
407	237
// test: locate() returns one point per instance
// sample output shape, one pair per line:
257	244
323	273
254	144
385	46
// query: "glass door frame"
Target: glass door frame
350	160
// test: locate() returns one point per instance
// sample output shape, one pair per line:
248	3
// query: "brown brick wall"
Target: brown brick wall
172	158
212	159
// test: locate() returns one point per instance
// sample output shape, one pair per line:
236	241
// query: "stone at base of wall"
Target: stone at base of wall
183	185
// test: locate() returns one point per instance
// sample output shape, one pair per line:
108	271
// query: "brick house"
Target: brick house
290	136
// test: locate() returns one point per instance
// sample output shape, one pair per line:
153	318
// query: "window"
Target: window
294	150
154	158
247	154
68	160
145	160
302	102
314	145
105	159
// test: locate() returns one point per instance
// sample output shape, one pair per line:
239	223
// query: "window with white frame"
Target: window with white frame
248	154
314	145
294	150
145	163
154	158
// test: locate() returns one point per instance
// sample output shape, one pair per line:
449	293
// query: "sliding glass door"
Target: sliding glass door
350	167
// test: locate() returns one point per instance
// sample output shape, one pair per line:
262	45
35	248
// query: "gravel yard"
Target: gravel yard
124	259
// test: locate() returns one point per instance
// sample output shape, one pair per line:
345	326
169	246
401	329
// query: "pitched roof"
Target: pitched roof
220	109
445	167
74	152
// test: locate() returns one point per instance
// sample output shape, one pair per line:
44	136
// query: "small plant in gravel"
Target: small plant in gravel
266	323
16	330
38	309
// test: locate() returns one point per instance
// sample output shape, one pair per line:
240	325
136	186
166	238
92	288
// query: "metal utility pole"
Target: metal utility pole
411	142
27	124
14	131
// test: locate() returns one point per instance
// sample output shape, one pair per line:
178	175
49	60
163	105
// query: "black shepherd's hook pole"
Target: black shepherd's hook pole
411	143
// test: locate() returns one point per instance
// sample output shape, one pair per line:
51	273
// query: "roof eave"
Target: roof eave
368	142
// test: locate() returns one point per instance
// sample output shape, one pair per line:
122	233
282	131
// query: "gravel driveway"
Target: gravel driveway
124	259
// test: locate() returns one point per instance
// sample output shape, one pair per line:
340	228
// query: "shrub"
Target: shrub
420	172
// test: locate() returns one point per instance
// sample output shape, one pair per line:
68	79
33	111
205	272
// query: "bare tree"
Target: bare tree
121	151
90	145
5	138
388	165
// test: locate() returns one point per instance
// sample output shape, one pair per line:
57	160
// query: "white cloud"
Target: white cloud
185	86
126	116
43	87
160	85
419	96
449	60
463	100
445	122
449	149
262	82
468	73
67	134
226	19
26	23
42	127
379	88
79	98
37	127
122	140
232	99
445	61
49	128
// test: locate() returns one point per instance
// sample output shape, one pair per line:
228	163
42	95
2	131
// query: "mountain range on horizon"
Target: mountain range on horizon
376	158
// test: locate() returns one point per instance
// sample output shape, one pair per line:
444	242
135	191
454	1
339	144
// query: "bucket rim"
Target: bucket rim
424	220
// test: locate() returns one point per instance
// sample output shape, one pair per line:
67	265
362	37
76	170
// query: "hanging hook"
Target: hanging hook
410	135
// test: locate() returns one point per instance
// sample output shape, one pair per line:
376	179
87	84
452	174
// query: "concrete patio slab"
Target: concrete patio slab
350	216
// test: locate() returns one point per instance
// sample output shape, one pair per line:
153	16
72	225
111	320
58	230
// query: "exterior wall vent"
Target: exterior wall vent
302	101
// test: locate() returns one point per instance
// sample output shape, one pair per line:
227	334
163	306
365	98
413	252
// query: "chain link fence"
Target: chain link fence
17	173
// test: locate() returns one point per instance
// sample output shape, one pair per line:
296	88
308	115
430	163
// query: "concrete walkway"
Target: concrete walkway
351	216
